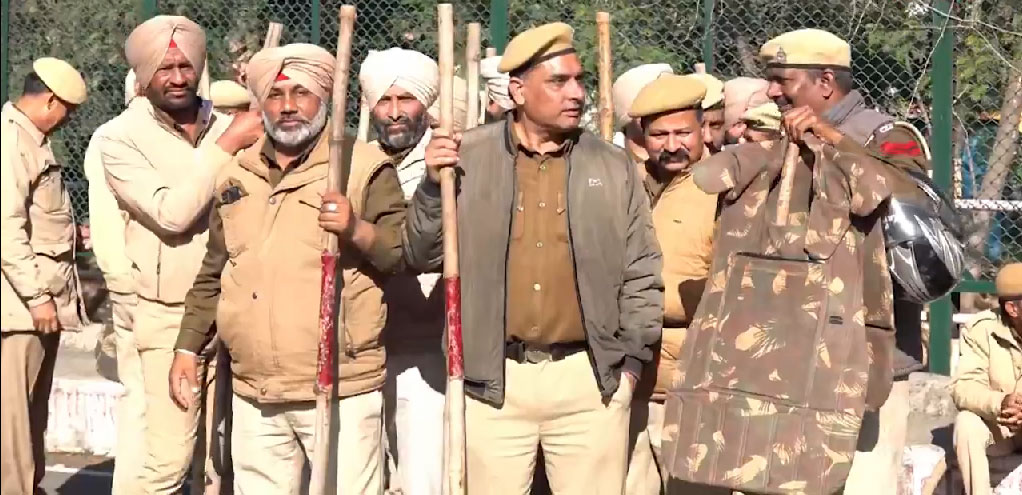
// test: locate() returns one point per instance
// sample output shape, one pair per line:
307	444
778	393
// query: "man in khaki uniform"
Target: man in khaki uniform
713	113
626	87
810	79
762	123
107	223
555	330
161	157
260	282
988	384
400	85
40	293
670	112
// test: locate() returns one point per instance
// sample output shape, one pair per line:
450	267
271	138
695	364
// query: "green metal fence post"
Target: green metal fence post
942	310
314	23
150	9
498	24
708	6
5	39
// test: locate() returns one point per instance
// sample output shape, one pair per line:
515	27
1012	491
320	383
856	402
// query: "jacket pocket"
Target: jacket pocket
238	224
49	192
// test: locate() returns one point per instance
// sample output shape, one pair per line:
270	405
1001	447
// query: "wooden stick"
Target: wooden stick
700	68
472	74
331	317
364	116
454	399
606	71
787	183
491	52
273	34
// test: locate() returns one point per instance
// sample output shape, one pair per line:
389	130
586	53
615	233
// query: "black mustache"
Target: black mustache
667	157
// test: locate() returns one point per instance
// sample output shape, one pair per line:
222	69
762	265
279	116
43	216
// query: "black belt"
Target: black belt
524	352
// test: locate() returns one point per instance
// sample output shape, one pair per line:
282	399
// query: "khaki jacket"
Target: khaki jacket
684	218
165	183
107	223
261	277
989	368
37	228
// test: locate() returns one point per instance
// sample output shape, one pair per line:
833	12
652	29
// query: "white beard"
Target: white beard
299	136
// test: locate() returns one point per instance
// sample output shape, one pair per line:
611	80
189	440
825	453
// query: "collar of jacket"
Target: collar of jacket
848	105
21	120
207	116
512	144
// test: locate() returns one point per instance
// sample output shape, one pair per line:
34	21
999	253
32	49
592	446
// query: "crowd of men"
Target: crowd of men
583	265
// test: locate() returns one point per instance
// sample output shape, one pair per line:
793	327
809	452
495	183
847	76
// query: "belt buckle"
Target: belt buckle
535	356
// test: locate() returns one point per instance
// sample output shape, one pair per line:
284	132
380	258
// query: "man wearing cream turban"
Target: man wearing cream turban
161	157
498	101
401	85
260	282
741	94
624	91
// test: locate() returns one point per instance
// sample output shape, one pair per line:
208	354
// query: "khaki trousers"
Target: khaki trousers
645	435
271	442
170	433
878	459
26	360
130	451
556	404
975	441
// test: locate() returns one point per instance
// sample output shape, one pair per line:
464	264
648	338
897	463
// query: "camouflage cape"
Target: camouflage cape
770	390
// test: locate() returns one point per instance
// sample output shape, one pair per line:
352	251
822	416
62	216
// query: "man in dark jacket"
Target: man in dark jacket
561	290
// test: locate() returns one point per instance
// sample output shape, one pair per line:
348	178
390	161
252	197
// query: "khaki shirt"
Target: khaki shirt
107	223
542	300
37	229
165	182
989	368
260	279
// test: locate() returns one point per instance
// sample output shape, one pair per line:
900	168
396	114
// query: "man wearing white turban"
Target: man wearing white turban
498	101
260	282
399	86
161	157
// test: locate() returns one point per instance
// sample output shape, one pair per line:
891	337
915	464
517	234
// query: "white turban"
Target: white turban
628	85
129	86
408	69
460	105
148	43
496	82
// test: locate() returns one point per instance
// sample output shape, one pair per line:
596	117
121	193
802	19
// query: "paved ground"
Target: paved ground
77	475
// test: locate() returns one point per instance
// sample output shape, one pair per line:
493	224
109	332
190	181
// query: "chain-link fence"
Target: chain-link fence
894	56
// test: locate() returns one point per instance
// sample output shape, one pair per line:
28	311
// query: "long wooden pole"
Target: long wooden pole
491	52
454	400
472	45
331	317
606	71
273	33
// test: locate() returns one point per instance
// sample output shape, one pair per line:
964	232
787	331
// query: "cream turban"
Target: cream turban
628	85
460	105
407	69
305	64
741	94
496	82
147	45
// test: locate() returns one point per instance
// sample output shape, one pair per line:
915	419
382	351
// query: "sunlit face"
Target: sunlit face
400	119
674	140
292	114
713	129
551	95
175	83
794	87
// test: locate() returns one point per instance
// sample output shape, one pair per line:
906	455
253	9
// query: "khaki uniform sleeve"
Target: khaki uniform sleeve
971	388
202	299
17	259
385	209
106	224
173	208
899	146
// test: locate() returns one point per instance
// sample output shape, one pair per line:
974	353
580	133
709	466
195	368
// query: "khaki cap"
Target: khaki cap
766	116
807	47
226	94
1009	280
529	47
63	80
668	93
714	90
